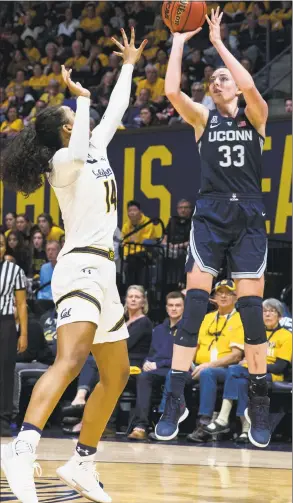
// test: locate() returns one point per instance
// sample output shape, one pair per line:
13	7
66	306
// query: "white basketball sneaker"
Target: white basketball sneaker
18	463
80	474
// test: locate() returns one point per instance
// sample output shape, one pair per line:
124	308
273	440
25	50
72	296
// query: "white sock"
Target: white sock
245	424
32	437
223	417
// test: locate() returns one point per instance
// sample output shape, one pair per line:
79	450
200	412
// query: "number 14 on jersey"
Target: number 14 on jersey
111	195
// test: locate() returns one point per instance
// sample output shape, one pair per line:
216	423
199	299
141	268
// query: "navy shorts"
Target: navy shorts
230	226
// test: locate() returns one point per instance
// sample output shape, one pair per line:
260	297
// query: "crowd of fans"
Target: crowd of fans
37	37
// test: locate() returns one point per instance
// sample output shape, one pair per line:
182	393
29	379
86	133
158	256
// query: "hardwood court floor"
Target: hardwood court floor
155	473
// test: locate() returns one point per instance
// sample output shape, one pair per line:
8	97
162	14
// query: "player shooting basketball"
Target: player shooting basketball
229	219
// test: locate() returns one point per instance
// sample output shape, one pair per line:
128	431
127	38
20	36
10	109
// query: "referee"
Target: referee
12	290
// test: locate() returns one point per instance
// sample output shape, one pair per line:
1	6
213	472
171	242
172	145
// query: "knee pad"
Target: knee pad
251	314
195	309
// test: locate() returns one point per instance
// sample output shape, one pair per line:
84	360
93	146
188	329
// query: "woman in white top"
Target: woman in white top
90	315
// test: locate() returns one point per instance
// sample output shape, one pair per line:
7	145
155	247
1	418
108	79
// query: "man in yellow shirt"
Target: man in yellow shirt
279	355
53	97
220	344
56	74
135	219
78	60
91	22
50	231
154	83
38	81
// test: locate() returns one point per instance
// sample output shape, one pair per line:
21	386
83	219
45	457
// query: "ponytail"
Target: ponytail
27	157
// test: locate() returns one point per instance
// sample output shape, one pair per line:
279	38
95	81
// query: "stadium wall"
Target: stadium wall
159	166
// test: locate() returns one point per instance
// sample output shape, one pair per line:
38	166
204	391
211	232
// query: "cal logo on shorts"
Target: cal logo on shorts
65	313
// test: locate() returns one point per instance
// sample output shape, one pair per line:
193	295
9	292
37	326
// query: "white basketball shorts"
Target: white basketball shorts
84	289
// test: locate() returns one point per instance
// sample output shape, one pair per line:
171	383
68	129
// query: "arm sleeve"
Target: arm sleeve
119	102
167	362
278	367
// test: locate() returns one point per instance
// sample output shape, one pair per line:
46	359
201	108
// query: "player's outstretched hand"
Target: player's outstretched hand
74	87
185	36
214	24
128	51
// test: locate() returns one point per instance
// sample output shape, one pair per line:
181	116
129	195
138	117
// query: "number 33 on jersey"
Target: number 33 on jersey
230	150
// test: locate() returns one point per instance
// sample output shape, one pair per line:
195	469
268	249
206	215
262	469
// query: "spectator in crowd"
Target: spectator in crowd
13	124
220	344
139	70
32	362
106	42
148	116
38	252
288	105
194	66
247	64
252	38
152	82
29	30
77	61
40	105
198	95
18	62
69	25
4	103
178	228
279	356
157	363
10	222
46	272
23	225
31	51
102	93
91	22
51	54
53	97
211	55
12	291
51	231
132	115
208	72
23	100
162	62
17	248
95	74
64	48
19	80
118	20
136	219
234	11
38	81
56	74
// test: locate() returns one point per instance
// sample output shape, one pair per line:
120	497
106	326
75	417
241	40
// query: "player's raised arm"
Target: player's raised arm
257	108
119	100
193	113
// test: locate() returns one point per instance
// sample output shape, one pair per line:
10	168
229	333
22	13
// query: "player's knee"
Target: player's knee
194	311
251	313
71	364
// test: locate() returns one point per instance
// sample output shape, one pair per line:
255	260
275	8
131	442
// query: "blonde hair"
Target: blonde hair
140	289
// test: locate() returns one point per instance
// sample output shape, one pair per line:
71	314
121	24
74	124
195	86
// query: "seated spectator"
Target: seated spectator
19	79
132	115
18	61
32	363
53	97
51	231
157	364
178	228
105	40
85	39
220	344
252	38
211	55
4	103
195	66
281	16
69	25
23	100
38	252
10	222
96	52
168	114
17	249
51	54
114	64
139	70
118	20
94	75
288	106
63	48
46	272
148	116
13	124
39	106
279	357
29	30
56	74
162	63
31	51
101	95
136	219
235	11
152	82
91	22
38	81
159	33
198	95
23	225
77	61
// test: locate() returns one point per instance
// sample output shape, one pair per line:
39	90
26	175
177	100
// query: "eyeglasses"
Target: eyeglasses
271	311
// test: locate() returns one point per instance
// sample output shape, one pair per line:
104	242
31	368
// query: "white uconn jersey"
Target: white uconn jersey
82	177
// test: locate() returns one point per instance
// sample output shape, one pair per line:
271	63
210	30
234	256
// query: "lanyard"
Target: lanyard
217	334
273	331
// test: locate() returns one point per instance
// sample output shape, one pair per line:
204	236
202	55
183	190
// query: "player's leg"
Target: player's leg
74	343
250	293
79	473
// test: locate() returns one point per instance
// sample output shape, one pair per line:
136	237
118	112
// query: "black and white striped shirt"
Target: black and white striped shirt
12	278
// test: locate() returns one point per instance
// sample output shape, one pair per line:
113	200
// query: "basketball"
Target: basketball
184	15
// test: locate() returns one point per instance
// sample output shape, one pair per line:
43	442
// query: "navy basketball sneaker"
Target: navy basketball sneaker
257	414
175	413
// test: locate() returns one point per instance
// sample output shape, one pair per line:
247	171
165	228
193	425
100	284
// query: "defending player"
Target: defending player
229	219
90	315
